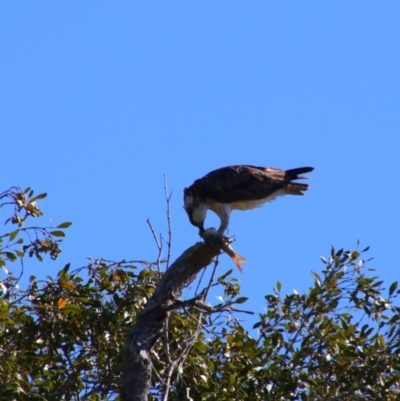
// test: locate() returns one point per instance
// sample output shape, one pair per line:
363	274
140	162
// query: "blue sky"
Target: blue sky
100	99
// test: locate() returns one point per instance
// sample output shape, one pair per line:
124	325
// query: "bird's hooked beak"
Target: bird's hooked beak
199	225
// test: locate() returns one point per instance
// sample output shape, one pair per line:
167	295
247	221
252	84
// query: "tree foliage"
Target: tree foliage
61	337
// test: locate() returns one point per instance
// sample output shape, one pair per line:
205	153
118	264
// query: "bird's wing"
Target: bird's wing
240	183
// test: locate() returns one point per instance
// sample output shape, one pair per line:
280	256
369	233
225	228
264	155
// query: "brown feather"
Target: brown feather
239	188
246	183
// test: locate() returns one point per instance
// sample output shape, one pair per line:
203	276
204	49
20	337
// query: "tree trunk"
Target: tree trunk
151	322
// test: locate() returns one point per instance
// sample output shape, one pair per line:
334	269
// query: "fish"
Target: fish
213	236
237	259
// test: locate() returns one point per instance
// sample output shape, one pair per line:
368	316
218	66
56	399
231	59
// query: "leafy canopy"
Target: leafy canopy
61	337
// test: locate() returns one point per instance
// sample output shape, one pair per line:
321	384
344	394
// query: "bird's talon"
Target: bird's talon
212	236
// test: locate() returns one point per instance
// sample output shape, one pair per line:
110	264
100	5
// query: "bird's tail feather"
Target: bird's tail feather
295	188
295	173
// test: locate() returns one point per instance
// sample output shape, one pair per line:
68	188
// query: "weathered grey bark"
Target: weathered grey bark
151	322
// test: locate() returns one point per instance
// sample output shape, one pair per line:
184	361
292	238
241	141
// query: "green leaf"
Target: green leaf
380	341
271	298
11	256
57	233
13	235
71	307
66	267
41	196
241	300
95	397
3	309
224	276
84	300
278	286
64	225
200	346
249	345
393	288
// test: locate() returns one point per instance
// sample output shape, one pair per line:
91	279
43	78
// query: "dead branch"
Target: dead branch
152	321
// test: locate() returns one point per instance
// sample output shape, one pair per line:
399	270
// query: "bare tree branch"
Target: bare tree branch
158	243
168	196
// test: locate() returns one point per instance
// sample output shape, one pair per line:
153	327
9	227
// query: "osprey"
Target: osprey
239	188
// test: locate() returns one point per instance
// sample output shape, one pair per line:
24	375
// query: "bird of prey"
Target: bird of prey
241	187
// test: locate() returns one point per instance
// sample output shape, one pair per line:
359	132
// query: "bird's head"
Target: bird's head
195	208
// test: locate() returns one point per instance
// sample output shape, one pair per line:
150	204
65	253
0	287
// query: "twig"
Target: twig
168	198
210	283
159	245
216	263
